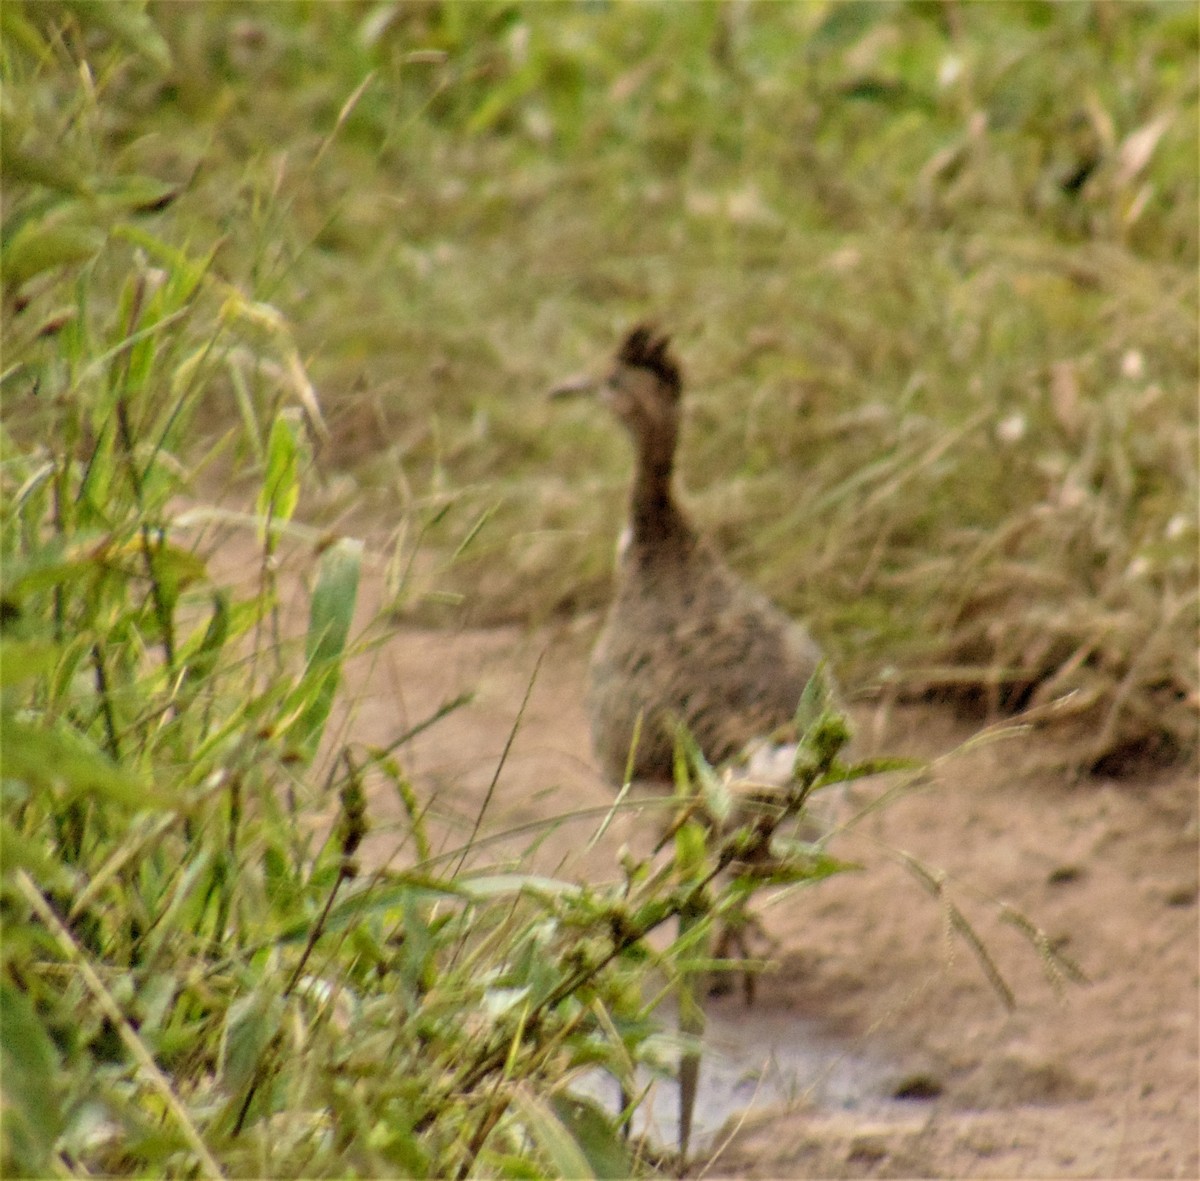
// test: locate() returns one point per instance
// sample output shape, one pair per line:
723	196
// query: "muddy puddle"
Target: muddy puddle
754	1059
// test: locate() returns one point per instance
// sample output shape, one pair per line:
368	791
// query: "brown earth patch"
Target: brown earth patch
1095	1081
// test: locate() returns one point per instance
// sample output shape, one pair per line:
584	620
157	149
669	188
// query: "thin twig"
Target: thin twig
487	799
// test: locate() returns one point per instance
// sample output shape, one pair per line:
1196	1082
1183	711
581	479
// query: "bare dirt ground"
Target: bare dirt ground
1100	1081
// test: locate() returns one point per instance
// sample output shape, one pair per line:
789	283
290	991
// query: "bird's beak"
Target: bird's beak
577	387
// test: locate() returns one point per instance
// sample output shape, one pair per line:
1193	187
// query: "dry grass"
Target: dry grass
931	268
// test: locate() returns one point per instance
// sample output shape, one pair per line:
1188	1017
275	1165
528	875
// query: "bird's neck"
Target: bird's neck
654	517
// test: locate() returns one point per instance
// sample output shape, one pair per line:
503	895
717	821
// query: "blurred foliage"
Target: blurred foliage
186	935
931	267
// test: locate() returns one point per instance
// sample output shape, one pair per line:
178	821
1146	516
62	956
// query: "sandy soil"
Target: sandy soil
1100	1081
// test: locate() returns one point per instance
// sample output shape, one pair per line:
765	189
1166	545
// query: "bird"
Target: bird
686	641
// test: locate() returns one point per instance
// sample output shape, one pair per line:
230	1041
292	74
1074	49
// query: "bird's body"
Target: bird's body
686	640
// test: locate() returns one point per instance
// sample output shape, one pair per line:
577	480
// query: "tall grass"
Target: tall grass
213	211
931	267
184	958
195	979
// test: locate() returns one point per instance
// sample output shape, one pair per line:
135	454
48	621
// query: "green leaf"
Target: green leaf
202	659
845	772
22	660
798	861
887	92
136	194
552	1136
595	1133
127	22
286	450
845	21
329	619
718	799
333	601
252	1022
500	885
376	900
691	849
187	272
502	99
42	245
814	700
53	565
62	759
16	30
175	569
23	163
31	1116
18	851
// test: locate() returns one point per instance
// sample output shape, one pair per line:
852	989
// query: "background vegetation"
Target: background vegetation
932	268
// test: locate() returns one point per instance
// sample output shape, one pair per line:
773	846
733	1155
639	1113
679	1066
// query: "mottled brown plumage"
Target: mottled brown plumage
686	640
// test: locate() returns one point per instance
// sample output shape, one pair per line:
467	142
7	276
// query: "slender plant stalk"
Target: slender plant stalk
149	1068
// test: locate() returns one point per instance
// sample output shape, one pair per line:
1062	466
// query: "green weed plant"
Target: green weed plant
931	265
944	339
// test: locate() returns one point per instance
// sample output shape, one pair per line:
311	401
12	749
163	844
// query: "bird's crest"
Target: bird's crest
646	348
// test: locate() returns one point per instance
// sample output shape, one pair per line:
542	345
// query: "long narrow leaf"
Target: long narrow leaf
330	616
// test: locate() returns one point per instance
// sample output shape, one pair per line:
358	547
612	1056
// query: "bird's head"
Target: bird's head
642	386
